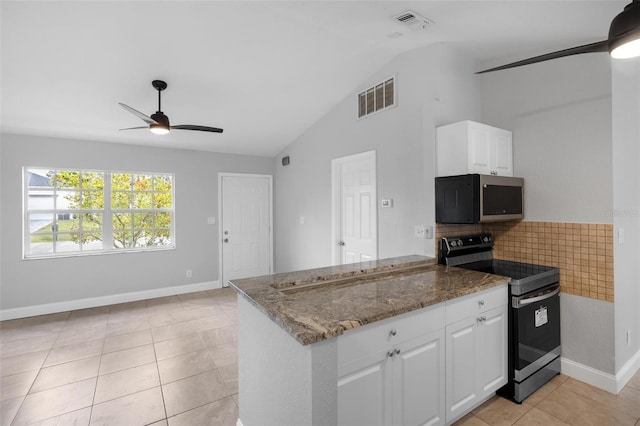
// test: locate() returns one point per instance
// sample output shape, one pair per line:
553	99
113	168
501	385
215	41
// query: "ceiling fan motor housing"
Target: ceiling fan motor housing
161	119
627	21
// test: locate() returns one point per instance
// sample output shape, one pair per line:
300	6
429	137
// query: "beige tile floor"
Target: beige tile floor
167	361
173	361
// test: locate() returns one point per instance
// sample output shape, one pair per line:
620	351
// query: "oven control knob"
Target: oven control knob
454	243
460	243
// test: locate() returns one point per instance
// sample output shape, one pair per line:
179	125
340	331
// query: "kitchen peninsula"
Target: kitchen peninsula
365	343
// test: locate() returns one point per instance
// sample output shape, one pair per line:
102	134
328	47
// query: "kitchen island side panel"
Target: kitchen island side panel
282	382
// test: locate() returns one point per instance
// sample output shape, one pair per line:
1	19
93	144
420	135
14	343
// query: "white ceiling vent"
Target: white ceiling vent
413	20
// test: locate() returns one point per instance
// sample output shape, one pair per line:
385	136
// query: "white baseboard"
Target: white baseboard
627	371
92	302
605	381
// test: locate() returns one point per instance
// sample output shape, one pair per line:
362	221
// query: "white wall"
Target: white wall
560	115
435	86
48	281
626	208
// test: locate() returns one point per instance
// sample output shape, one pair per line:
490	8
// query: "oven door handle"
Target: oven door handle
517	303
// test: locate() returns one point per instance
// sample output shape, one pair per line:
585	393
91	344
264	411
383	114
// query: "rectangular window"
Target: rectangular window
74	212
377	98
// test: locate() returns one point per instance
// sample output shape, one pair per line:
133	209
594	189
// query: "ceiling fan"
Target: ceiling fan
158	123
623	41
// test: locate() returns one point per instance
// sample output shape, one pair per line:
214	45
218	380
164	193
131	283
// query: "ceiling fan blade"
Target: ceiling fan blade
200	128
138	114
601	46
134	128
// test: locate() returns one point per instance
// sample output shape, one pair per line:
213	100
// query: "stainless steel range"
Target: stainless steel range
534	315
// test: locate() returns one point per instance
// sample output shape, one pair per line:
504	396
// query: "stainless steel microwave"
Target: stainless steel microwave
476	198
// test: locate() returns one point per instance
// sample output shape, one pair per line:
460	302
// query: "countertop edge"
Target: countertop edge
310	336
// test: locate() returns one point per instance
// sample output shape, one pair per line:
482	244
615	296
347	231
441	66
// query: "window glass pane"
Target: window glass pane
122	239
143	220
93	180
142	183
163	200
163	220
91	222
162	183
92	200
362	104
93	242
142	200
38	246
143	239
379	96
163	237
68	199
40	199
68	243
122	220
121	200
388	92
40	223
66	179
120	181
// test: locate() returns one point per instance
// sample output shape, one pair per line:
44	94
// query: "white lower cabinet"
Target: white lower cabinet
428	367
476	352
418	381
392	373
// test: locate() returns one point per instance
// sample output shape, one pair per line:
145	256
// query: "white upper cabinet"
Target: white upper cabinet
470	147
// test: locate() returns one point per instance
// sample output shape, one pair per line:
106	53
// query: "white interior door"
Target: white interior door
245	226
355	212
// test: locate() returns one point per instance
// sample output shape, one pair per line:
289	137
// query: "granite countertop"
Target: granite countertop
318	304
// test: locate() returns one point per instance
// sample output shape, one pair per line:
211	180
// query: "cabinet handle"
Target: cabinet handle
398	351
481	303
393	332
493	172
480	320
390	354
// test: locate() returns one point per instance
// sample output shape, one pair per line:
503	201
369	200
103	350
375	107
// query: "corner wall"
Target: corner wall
626	217
59	282
560	116
434	86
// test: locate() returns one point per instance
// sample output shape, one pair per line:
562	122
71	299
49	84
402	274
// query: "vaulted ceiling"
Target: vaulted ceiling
263	71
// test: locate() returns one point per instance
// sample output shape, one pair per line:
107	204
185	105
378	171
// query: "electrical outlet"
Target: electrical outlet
189	273
420	231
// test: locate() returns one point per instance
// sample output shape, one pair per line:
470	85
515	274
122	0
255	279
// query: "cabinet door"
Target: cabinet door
480	150
502	153
418	381
364	391
492	350
461	375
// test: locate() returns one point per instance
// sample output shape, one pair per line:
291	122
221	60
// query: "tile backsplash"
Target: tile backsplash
582	251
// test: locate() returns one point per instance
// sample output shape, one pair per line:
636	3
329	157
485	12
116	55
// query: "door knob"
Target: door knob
341	243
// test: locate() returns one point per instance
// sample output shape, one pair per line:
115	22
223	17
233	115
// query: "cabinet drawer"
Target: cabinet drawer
383	334
472	304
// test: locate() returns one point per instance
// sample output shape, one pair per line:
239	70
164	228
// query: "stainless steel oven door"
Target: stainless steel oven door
536	329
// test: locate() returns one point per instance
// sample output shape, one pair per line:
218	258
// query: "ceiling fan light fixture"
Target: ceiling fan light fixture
158	129
630	49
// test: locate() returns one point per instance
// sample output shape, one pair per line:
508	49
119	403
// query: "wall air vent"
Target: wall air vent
377	98
413	19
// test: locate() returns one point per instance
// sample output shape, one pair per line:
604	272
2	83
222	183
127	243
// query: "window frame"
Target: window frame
107	213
